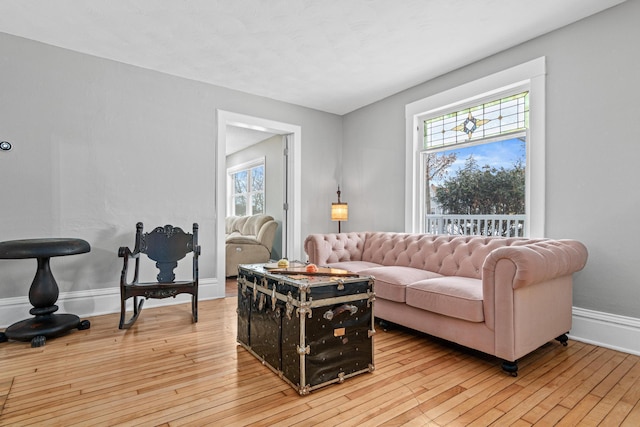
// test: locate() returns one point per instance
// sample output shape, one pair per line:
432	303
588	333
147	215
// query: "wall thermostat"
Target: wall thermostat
5	146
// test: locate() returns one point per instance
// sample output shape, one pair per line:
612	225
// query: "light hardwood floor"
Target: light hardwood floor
167	371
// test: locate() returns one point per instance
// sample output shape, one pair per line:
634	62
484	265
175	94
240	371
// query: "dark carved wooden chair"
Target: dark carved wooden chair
166	246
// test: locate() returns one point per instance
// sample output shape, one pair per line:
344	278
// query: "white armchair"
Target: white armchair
249	240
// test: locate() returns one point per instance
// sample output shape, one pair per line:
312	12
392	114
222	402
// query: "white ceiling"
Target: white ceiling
331	55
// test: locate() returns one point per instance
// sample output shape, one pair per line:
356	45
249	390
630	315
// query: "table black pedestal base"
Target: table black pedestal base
41	327
44	290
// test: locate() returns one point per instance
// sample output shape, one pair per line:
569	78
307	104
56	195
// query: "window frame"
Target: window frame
529	76
246	166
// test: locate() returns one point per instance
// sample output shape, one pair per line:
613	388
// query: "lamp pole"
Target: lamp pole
339	202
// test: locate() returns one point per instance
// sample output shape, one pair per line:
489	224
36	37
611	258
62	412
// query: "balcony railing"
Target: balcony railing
483	225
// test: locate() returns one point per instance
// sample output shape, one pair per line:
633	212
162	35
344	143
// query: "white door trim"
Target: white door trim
294	169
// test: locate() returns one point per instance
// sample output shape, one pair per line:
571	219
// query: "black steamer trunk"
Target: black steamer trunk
311	330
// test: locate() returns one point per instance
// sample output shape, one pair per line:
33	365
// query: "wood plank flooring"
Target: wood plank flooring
166	371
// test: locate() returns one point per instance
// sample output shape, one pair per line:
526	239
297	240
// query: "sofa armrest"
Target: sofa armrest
527	293
539	261
267	234
323	249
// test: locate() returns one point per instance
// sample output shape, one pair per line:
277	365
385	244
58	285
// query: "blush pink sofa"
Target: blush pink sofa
502	296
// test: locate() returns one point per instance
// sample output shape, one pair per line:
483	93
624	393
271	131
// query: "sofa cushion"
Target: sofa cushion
459	297
354	266
392	281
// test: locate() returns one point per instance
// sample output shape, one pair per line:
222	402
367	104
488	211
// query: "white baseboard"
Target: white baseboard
606	330
593	327
99	301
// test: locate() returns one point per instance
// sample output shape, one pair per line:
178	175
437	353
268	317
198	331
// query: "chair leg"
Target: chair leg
137	308
194	308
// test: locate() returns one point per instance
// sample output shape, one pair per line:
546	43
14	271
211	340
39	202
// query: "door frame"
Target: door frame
292	245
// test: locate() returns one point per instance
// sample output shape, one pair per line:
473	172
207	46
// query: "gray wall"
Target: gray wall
592	150
100	145
89	135
272	150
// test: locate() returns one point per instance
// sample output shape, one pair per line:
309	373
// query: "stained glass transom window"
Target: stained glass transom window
498	117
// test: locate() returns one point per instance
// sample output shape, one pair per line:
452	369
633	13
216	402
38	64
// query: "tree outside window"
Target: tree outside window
494	187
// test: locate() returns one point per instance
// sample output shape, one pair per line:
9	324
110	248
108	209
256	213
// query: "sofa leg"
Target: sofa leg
510	367
384	325
563	339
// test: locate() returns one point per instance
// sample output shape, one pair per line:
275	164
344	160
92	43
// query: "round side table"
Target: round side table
43	293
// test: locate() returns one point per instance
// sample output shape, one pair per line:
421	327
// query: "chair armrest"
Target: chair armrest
125	252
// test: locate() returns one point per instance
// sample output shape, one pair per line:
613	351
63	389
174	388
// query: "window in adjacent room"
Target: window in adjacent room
246	188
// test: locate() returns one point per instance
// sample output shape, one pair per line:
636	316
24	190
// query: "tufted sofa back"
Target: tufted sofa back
443	254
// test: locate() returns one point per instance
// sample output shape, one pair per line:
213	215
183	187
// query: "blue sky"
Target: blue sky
497	154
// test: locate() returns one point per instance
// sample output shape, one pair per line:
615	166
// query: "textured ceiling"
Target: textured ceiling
331	55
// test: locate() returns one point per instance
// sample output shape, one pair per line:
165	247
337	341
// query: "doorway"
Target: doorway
258	158
291	136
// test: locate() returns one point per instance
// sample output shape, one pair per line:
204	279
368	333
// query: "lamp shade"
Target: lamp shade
339	212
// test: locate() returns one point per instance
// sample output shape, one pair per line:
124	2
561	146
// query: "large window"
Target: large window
473	162
246	188
475	156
